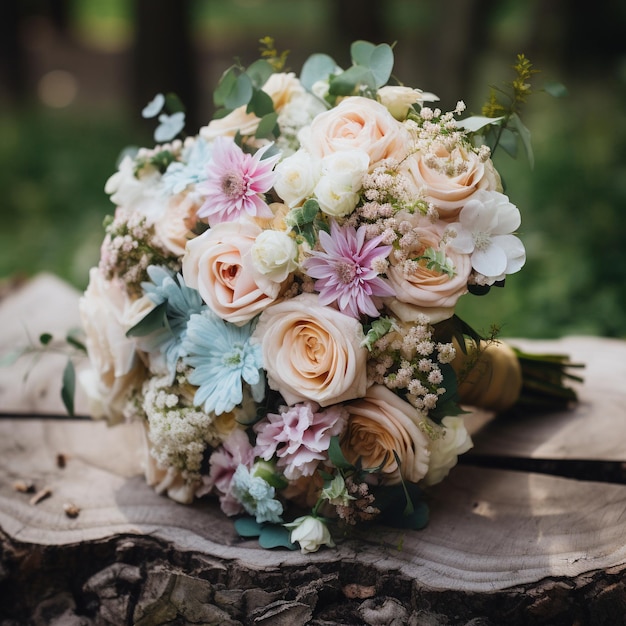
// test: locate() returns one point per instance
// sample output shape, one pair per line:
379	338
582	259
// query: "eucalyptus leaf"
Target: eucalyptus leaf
275	536
346	83
259	72
508	142
240	93
361	52
173	103
317	67
247	527
267	126
524	134
381	64
261	103
556	89
69	386
224	87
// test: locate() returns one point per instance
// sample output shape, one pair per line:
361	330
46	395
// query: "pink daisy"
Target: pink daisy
344	270
235	183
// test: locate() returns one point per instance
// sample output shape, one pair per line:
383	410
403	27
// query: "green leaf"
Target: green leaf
345	84
248	527
259	72
556	89
173	103
317	67
154	320
76	343
335	454
240	93
508	142
361	52
310	209
261	103
381	63
225	86
267	126
524	134
45	339
275	536
69	387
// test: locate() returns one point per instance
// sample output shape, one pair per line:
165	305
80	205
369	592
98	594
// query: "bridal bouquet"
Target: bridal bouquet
275	298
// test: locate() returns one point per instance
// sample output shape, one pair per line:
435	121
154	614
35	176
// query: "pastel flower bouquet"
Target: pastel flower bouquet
275	298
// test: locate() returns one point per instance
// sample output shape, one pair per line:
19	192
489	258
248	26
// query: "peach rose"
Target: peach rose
312	352
219	265
380	424
116	370
281	87
448	179
174	227
357	123
420	289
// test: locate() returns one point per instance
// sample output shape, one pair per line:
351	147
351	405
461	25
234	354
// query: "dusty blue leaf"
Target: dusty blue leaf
153	108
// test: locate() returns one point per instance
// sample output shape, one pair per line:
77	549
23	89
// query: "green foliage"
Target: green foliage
307	221
269	535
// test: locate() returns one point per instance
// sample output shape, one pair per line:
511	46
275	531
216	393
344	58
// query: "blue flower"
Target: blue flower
256	496
222	357
191	169
178	302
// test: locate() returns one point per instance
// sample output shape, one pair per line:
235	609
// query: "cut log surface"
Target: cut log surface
525	546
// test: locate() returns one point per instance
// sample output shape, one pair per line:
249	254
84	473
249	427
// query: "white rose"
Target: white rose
342	176
296	177
275	254
399	99
445	450
311	533
106	314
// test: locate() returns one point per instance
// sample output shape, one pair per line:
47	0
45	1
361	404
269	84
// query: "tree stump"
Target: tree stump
528	529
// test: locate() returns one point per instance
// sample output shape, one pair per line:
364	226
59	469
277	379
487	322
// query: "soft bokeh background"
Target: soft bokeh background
74	75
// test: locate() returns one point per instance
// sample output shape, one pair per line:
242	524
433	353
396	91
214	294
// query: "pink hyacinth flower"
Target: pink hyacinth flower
344	270
236	182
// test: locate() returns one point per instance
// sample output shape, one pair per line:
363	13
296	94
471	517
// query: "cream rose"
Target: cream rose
312	352
219	265
116	371
275	255
423	289
296	177
398	99
449	179
453	440
281	87
357	123
174	227
342	177
380	424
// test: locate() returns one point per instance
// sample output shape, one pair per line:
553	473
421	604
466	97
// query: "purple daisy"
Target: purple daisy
344	270
235	183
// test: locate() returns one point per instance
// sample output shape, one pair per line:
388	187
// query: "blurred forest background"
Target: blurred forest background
74	75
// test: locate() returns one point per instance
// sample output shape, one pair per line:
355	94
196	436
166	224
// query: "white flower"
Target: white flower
296	177
311	533
256	496
398	99
275	254
342	177
445	450
484	231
